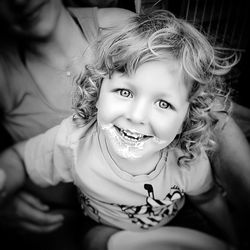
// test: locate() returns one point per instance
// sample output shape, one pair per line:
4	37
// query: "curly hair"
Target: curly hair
159	36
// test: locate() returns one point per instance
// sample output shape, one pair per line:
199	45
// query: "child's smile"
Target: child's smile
128	144
131	136
141	114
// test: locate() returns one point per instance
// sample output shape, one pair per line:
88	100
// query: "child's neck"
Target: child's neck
141	166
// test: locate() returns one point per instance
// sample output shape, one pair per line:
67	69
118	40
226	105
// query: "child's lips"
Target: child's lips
131	135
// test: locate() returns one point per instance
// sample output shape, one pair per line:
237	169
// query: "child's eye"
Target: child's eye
125	92
163	104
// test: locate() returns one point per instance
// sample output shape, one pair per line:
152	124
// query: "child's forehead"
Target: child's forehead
165	71
170	65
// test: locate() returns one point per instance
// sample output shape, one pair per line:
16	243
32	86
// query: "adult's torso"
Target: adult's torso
27	111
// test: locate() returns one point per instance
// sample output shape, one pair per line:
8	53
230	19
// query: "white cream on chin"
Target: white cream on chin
126	148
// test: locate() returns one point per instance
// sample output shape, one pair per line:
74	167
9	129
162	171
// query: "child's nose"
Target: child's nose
138	112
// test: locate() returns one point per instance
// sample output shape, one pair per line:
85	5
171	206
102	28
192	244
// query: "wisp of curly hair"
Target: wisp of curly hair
159	36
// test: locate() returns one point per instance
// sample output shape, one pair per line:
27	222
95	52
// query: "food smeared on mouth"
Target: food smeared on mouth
132	134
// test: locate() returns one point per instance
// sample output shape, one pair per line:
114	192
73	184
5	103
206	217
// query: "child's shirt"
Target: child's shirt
108	195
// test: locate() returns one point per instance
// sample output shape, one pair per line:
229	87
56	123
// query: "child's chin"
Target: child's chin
128	152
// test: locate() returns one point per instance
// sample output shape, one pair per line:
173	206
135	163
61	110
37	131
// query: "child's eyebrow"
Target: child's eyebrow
159	95
128	82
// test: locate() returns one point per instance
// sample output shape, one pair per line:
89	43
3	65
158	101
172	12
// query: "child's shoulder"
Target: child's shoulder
178	153
72	132
197	175
198	165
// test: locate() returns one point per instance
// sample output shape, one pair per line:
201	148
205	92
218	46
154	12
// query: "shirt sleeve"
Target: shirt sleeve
199	176
48	157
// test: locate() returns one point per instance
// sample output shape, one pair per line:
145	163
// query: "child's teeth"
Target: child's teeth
130	135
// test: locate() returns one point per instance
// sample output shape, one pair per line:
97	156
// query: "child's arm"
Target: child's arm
12	172
214	207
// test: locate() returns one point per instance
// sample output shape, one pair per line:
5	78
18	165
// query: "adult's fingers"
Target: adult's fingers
2	184
2	179
33	201
28	213
40	228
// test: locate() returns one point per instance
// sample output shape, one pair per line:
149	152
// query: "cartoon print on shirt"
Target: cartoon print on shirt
154	210
87	207
144	216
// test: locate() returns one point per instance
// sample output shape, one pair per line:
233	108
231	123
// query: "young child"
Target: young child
145	115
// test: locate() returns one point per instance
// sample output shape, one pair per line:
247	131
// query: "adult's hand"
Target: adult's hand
2	183
2	179
24	211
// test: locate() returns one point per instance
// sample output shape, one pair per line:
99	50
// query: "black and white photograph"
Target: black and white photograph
125	125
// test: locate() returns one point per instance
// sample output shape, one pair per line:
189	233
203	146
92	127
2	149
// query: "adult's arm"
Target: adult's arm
13	172
110	17
213	206
241	115
232	167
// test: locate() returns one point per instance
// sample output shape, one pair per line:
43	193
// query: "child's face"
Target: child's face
142	113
